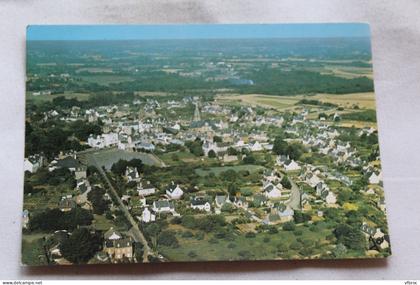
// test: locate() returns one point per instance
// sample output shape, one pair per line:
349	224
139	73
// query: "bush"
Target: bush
273	230
187	234
250	235
295	245
289	226
168	238
298	232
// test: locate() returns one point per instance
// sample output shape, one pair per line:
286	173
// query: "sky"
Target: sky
147	32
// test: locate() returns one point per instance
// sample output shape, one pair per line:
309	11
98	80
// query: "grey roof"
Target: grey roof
163	204
198	201
220	199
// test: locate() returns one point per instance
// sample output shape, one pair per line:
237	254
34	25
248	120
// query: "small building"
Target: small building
272	191
174	191
66	204
200	203
33	163
291	165
117	247
132	174
240	202
147	216
163	206
146	190
375	178
80	172
220	200
331	198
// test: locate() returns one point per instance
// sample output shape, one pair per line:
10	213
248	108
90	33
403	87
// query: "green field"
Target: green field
106	79
108	157
32	250
218	170
263	246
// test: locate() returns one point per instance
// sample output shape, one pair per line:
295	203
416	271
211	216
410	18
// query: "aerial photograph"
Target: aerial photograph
173	143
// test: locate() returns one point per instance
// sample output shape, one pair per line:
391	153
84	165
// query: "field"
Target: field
69	95
32	250
106	79
261	247
363	100
108	157
218	170
265	101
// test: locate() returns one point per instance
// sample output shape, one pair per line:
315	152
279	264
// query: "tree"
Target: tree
233	189
285	182
211	154
195	147
153	231
119	167
96	197
54	219
137	163
80	246
289	226
279	146
273	230
168	238
301	217
217	139
227	207
350	237
295	151
249	159
232	151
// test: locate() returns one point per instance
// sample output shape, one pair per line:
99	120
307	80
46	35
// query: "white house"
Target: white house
33	163
174	191
313	180
331	198
220	200
285	213
240	202
145	191
272	191
147	216
132	174
256	146
200	204
291	166
104	140
375	178
162	206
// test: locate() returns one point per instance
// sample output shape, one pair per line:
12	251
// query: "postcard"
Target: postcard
171	143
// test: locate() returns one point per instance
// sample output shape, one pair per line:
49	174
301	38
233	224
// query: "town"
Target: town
150	176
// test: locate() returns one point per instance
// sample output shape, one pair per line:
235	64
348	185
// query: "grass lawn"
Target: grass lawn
103	224
263	246
68	95
183	156
107	157
106	79
218	170
32	250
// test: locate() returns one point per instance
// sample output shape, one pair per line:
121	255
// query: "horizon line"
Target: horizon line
196	31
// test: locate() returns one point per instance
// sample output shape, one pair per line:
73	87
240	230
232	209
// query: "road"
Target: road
294	202
134	230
